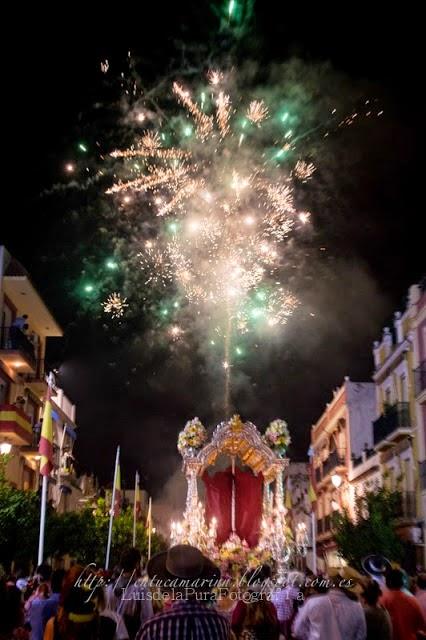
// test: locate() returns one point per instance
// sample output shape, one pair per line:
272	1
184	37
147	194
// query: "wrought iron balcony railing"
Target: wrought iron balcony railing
396	417
333	461
420	378
13	339
407	508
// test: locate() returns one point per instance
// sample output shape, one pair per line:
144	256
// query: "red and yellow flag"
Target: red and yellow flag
45	447
117	494
312	494
149	516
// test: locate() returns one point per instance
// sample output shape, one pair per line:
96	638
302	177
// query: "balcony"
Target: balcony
358	460
392	426
420	378
17	351
407	508
37	379
333	461
15	425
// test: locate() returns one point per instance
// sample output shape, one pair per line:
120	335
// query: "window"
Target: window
28	479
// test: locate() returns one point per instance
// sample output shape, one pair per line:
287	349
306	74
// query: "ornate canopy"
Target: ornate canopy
242	440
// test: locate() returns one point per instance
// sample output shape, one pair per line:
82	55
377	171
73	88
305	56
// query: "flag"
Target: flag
45	447
312	494
138	506
149	516
117	495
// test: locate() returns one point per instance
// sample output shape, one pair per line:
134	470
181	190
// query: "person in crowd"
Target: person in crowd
77	617
255	616
35	608
405	612
420	592
41	577
20	321
186	578
260	620
225	604
335	615
22	576
127	595
52	603
287	599
10	606
377	618
101	607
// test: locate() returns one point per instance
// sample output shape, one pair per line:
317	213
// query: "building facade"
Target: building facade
418	327
344	429
26	324
374	434
398	430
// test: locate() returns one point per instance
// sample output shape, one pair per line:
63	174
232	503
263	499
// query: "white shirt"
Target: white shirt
129	600
330	617
120	631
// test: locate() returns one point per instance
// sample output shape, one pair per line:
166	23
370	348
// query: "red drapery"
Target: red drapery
249	493
248	507
218	502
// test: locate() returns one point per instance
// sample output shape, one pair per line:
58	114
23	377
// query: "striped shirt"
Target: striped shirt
186	620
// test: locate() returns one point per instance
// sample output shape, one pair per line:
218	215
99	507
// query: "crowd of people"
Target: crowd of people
182	595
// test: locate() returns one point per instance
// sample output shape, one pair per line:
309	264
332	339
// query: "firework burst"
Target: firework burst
115	305
222	209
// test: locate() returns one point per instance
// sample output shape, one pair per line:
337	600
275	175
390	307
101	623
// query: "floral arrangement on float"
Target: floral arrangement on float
192	438
277	436
234	551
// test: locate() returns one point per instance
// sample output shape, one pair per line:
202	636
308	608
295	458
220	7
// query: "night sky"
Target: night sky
371	228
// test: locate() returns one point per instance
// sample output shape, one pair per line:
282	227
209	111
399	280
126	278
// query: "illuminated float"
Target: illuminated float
243	521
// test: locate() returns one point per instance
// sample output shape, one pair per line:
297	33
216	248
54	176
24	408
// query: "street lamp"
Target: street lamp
336	479
5	448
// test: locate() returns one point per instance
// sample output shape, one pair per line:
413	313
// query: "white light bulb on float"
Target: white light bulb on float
5	448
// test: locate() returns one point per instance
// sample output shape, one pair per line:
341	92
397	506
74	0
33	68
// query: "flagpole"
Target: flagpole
134	507
47	458
111	515
42	520
314	542
149	527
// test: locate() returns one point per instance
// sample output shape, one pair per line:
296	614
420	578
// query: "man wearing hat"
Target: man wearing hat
186	578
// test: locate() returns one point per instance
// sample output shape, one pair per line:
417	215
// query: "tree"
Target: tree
122	532
81	534
19	520
372	530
